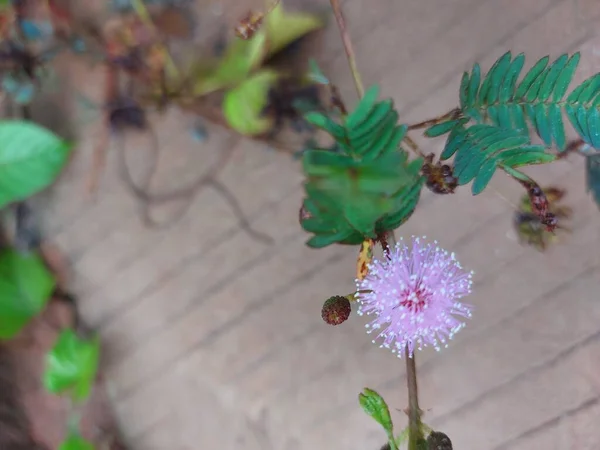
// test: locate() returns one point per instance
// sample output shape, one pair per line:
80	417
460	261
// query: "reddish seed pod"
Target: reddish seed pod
336	310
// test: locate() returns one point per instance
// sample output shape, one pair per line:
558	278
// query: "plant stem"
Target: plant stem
339	17
450	115
414	412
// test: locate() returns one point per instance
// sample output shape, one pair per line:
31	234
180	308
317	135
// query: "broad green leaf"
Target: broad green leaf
31	157
25	287
243	105
76	442
375	406
71	365
241	58
284	28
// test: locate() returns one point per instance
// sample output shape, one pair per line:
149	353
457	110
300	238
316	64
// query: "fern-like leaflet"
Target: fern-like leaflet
537	102
368	185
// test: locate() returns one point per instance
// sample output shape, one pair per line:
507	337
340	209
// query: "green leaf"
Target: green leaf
243	106
480	148
592	176
71	365
484	176
325	123
364	108
31	157
76	442
442	128
25	287
315	73
241	58
375	406
464	91
284	28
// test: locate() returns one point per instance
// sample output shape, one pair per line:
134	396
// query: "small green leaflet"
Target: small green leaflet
76	442
375	406
31	157
71	365
25	287
315	74
480	149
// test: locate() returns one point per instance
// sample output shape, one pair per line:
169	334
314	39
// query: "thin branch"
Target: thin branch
450	115
339	17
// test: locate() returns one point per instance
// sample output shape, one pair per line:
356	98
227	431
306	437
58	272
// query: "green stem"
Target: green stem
339	17
415	433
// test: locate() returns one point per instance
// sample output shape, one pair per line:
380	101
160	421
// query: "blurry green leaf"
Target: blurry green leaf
76	442
241	57
25	287
243	105
71	365
442	128
364	107
31	157
375	406
315	73
592	176
284	28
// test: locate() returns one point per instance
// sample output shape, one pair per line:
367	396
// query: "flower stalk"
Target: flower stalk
415	432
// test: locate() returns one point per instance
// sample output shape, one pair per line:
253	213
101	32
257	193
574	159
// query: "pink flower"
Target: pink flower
413	295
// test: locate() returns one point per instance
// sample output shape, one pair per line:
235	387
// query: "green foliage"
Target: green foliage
481	149
375	406
243	57
244	104
592	171
25	287
538	101
366	187
71	365
76	442
284	28
31	157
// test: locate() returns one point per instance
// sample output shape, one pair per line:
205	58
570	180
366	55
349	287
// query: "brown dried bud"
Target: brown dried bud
303	214
439	441
336	310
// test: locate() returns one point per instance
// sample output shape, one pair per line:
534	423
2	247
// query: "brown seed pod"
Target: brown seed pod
336	310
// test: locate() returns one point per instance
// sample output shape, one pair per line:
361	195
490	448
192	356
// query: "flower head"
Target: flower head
413	293
336	310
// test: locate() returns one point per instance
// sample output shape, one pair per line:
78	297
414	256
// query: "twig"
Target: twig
339	17
450	115
414	412
413	146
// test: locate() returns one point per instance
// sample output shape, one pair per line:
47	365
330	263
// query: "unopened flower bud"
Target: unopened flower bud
336	310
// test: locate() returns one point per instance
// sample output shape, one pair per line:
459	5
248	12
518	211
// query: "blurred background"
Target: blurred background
212	335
